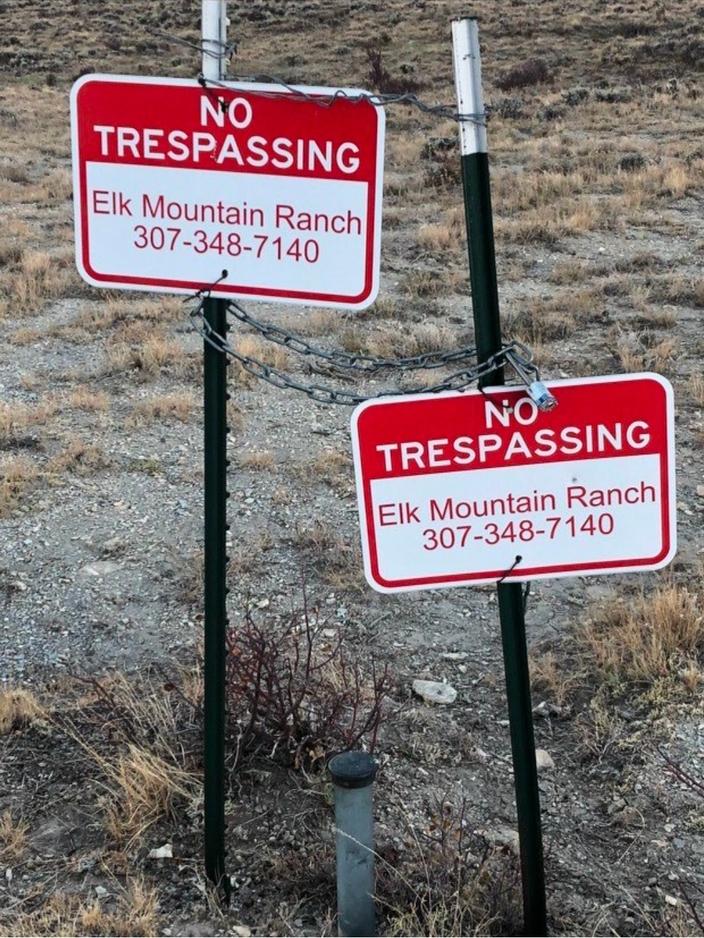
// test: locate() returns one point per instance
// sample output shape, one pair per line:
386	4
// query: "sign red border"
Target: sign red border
390	415
299	297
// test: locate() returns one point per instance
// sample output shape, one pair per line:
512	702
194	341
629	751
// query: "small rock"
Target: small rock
101	892
435	692
114	545
455	655
164	852
8	874
100	568
241	931
546	710
502	837
543	760
672	900
700	491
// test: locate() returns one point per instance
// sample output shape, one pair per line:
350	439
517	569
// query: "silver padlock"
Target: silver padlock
540	395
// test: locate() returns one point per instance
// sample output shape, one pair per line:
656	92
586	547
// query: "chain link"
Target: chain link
513	353
348	360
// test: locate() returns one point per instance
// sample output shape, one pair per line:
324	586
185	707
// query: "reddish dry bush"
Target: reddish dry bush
296	692
379	78
530	72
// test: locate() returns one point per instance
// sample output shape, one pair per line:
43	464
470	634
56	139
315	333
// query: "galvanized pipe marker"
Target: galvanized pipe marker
353	775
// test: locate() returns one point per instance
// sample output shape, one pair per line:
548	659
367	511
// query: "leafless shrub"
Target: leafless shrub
382	80
295	691
530	72
450	881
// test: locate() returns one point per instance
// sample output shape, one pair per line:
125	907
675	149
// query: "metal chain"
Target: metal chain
513	353
349	360
293	93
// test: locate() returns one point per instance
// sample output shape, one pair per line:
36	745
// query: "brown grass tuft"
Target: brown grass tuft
18	707
648	640
178	405
13	839
144	788
17	473
67	914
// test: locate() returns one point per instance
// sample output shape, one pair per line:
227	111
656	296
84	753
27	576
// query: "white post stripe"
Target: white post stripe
213	32
468	83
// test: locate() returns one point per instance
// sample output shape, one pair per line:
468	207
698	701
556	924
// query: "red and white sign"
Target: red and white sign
175	183
453	488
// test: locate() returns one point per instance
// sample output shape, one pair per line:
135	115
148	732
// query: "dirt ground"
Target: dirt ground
597	170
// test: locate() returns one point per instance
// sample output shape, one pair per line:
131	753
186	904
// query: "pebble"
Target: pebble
544	760
100	568
161	853
502	837
435	692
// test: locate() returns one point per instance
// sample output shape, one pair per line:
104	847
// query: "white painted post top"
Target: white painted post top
468	83
214	35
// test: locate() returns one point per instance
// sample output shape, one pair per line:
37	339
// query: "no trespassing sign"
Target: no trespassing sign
472	487
175	183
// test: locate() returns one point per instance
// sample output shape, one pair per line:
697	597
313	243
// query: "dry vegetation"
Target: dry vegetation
597	171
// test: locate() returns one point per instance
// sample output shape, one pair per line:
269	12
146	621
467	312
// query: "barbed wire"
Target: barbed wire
514	354
228	49
321	99
294	92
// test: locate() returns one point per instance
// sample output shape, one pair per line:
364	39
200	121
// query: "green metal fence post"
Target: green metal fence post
487	327
214	24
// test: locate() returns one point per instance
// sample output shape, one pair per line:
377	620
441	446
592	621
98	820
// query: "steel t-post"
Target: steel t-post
487	327
215	574
215	549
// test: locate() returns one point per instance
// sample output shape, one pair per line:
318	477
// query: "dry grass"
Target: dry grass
35	278
17	475
552	678
79	457
645	351
257	459
88	399
66	914
540	321
266	352
17	417
149	357
387	341
145	787
332	466
144	768
696	389
13	839
437	238
176	405
424	284
650	641
330	552
18	708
